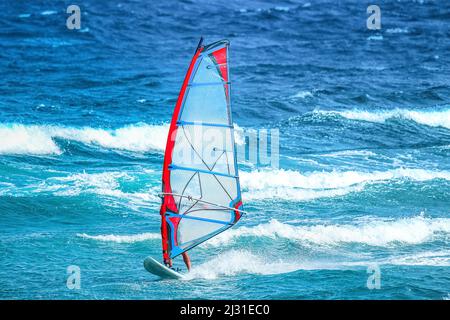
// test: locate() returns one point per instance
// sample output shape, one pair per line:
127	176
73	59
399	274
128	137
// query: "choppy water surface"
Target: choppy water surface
364	122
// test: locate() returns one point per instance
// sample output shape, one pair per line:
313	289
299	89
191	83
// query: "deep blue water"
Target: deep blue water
364	169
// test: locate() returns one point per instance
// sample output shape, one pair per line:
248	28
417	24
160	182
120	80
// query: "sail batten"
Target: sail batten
201	192
205	124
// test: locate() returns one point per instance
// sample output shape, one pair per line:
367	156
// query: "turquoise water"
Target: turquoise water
363	181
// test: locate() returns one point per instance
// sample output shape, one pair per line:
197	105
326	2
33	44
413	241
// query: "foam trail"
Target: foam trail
293	185
121	238
236	262
429	118
412	231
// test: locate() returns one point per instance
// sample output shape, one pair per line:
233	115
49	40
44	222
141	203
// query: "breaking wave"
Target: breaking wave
293	185
257	185
429	258
39	139
384	233
429	118
235	262
413	231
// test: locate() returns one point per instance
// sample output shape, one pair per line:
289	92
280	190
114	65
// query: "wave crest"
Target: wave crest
429	118
39	139
415	230
293	185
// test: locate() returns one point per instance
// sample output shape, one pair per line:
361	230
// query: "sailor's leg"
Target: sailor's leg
187	260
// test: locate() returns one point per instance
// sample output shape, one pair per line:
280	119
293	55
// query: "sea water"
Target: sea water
357	207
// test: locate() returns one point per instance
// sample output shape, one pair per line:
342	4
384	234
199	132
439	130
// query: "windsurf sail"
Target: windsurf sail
201	194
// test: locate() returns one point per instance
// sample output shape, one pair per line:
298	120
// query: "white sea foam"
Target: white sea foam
48	12
20	139
40	139
377	37
284	9
139	138
411	231
121	238
256	185
75	184
349	153
235	262
104	183
429	258
302	94
429	118
397	30
293	185
415	230
296	194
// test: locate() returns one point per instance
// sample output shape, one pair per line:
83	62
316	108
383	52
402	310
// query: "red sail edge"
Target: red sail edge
169	201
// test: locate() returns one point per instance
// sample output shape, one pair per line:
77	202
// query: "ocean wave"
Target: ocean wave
107	184
295	194
104	183
236	262
412	231
293	185
39	139
430	258
256	185
429	118
121	238
302	94
349	153
19	139
75	184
